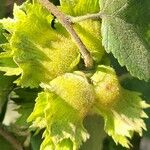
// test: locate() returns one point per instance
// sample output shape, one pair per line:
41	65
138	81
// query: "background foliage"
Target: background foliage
15	100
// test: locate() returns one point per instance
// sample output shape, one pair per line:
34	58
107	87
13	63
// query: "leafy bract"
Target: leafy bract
7	63
61	109
142	87
2	37
75	90
79	7
122	111
87	30
61	121
39	52
125	32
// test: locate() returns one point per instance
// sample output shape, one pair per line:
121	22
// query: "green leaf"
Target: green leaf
87	30
2	8
6	85
139	86
122	109
40	52
125	32
5	145
95	126
109	144
25	99
55	2
36	141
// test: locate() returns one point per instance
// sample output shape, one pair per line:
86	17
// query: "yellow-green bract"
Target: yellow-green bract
61	109
122	109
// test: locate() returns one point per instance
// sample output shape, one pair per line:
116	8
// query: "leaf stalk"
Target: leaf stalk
95	16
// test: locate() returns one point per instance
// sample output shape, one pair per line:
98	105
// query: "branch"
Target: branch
64	20
10	138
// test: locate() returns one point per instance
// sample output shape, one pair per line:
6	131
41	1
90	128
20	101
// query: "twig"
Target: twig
64	20
10	138
95	16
